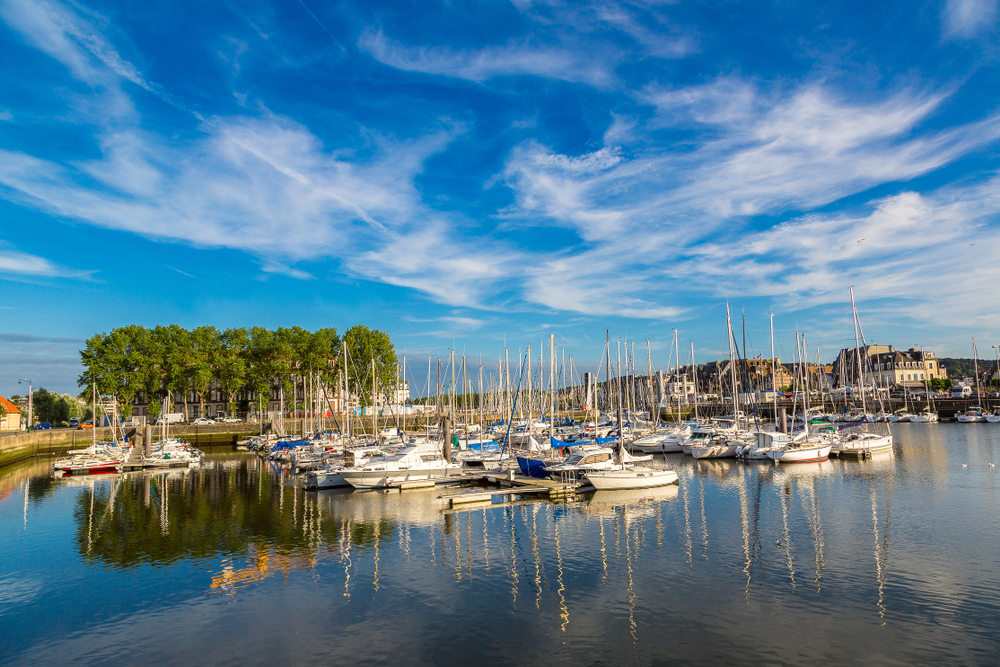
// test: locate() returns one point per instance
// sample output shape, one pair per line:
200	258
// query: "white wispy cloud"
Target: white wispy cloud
648	213
966	18
511	59
639	211
926	252
78	43
16	265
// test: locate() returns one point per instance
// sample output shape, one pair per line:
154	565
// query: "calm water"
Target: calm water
892	561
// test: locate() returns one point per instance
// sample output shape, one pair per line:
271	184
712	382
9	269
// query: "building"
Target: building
889	366
11	420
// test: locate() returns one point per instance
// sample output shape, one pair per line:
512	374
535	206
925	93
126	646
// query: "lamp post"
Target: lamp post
996	356
29	399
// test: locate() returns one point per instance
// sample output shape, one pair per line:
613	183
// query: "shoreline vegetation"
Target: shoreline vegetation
137	362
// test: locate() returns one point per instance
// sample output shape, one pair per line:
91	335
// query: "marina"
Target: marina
679	573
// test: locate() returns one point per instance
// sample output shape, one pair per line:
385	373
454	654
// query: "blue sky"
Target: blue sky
461	173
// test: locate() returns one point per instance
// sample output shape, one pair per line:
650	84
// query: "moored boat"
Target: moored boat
410	463
631	478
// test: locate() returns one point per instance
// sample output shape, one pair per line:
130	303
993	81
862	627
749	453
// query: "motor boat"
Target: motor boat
664	442
582	462
723	445
329	477
764	442
413	462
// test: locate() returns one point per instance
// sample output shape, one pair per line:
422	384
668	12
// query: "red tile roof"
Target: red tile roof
9	407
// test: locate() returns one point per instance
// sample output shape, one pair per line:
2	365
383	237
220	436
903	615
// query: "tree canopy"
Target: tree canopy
135	361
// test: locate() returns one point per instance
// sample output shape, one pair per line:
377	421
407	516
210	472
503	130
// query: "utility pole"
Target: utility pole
30	413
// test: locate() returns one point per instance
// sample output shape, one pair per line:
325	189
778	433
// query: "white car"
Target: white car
203	421
230	420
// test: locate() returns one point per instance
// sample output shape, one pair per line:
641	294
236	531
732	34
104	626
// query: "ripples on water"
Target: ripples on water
879	562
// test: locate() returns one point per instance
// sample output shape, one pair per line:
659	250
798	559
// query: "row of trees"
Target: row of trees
137	362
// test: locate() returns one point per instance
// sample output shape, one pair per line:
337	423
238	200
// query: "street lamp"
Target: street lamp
996	355
29	399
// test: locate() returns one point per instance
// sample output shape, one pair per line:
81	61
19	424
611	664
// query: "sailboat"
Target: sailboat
805	447
100	458
724	443
864	442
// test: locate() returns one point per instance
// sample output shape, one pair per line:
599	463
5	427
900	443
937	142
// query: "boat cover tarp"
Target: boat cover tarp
558	444
532	467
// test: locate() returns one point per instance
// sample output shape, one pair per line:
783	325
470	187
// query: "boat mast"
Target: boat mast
975	364
552	384
774	376
344	403
649	369
677	373
927	391
401	385
694	374
621	435
607	375
732	368
857	348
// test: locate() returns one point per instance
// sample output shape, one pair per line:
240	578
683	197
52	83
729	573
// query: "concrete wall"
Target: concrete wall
18	447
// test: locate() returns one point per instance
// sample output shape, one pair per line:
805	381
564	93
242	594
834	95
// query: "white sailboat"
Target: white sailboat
631	478
862	443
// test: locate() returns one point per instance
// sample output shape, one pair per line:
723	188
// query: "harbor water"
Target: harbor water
888	561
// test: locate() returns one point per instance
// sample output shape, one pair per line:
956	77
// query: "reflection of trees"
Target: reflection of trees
234	509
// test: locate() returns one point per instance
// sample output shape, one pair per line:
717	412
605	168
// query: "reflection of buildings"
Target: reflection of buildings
264	564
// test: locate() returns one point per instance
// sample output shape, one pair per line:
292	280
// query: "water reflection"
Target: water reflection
841	545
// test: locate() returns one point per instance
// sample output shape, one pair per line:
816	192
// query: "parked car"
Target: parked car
86	424
230	420
41	426
74	422
203	421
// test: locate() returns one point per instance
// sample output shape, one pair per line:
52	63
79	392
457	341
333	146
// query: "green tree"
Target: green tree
176	362
941	384
363	345
204	343
43	405
230	363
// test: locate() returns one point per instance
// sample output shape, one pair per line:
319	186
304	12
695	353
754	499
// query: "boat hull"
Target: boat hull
631	479
95	470
972	419
800	455
726	451
325	480
863	447
377	479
